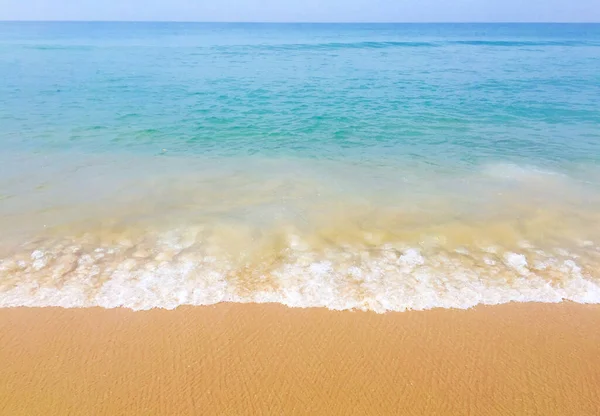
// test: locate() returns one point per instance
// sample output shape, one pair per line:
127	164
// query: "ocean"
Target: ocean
381	167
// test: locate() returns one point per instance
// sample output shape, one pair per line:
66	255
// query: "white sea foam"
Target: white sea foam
516	172
180	271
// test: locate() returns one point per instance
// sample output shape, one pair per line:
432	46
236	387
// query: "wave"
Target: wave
183	269
349	45
409	44
59	47
509	43
511	171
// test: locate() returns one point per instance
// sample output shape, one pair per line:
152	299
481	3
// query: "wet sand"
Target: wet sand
232	359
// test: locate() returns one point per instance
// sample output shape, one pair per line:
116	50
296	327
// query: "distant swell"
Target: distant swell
407	44
523	43
352	45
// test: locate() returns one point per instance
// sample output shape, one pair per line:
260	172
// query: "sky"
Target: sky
305	10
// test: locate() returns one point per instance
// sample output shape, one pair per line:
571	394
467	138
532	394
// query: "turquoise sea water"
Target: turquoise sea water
379	167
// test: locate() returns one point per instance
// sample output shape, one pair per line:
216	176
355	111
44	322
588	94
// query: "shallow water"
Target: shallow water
379	167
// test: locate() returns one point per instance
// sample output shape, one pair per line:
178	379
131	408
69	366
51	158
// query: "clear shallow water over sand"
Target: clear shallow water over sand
378	167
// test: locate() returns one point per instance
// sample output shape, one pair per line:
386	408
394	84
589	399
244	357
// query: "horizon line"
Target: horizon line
289	22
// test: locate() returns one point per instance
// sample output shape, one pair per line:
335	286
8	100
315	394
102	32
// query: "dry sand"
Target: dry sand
234	359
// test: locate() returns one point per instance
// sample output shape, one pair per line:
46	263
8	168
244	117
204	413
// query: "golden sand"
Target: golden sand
232	359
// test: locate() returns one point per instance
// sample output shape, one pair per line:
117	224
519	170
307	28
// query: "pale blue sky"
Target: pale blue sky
305	10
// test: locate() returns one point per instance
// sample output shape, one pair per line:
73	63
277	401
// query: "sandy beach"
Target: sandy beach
527	359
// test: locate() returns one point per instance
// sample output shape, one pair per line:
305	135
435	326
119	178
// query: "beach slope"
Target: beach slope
233	359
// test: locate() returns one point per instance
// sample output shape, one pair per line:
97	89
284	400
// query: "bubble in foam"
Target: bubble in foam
411	258
462	250
517	262
489	261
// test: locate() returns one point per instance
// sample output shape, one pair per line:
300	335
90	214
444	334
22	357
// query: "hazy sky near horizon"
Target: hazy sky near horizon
305	10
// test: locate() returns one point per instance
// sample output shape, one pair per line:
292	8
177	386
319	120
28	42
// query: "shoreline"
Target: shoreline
518	358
